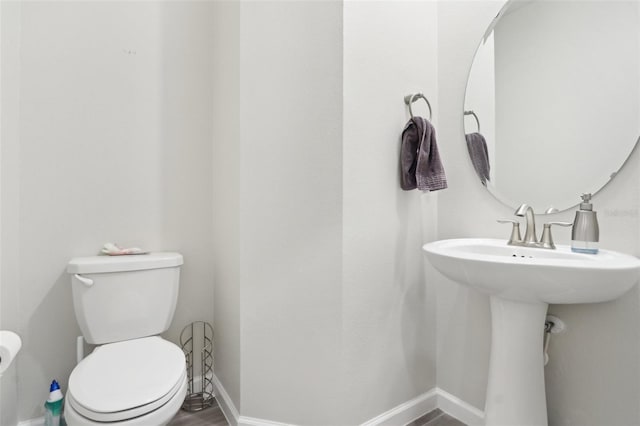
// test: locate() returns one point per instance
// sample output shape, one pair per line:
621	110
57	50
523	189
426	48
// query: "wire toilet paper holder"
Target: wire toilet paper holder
196	340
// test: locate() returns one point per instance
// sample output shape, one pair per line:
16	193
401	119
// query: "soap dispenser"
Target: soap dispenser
585	233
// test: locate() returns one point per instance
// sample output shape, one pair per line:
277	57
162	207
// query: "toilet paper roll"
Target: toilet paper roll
10	345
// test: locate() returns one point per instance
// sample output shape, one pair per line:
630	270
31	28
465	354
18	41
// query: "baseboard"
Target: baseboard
425	403
407	411
251	421
226	403
32	422
399	415
231	412
455	407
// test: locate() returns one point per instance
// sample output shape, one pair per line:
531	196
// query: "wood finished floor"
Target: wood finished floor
213	416
436	418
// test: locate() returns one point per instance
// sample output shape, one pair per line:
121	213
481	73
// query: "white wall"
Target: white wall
9	138
148	126
226	193
277	189
290	209
388	310
335	323
593	375
463	335
316	251
100	150
186	151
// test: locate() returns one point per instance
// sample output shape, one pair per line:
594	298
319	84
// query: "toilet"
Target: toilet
134	377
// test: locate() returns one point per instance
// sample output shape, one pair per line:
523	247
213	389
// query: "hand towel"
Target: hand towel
420	164
477	146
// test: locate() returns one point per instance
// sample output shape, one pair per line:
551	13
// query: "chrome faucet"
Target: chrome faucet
530	230
530	239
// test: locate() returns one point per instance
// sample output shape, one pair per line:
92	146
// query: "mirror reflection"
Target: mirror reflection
552	107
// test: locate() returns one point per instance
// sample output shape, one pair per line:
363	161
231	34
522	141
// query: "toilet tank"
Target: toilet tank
124	297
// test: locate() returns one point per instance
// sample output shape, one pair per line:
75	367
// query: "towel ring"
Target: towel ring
470	112
409	99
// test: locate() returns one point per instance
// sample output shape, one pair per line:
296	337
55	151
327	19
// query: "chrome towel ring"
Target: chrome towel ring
409	99
470	112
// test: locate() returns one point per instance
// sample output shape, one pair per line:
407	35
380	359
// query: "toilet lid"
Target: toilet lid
124	375
136	412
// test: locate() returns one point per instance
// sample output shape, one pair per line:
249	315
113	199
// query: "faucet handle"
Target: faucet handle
547	239
515	231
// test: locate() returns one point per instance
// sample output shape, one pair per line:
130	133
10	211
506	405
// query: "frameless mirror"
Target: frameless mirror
552	106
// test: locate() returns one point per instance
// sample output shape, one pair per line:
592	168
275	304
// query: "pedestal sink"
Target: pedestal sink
521	282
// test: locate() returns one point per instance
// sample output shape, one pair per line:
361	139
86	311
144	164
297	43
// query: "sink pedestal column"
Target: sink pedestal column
516	393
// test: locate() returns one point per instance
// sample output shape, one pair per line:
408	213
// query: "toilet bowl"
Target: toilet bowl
137	382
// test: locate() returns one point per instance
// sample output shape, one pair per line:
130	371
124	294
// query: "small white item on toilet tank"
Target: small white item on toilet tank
10	344
112	249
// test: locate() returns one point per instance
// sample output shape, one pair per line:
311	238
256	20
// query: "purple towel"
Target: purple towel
420	165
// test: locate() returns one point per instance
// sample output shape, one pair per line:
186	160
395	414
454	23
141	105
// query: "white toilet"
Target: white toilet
134	377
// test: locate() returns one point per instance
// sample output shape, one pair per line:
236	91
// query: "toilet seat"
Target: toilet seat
125	380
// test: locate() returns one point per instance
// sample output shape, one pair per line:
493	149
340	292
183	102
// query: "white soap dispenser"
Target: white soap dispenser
585	233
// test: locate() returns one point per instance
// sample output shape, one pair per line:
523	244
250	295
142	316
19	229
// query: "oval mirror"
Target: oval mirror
552	105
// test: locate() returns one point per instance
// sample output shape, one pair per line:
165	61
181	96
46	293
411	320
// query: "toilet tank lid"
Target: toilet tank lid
103	264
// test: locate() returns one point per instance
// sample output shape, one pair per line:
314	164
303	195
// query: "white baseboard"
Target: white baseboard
407	411
32	422
251	421
226	404
455	407
231	412
399	415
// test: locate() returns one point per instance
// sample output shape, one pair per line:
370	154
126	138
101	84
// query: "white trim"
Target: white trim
252	421
231	412
32	422
226	403
399	415
455	407
407	411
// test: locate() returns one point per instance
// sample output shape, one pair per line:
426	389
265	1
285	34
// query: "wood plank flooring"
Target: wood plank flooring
211	416
436	418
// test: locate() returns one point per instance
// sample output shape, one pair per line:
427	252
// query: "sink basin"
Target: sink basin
521	282
532	274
